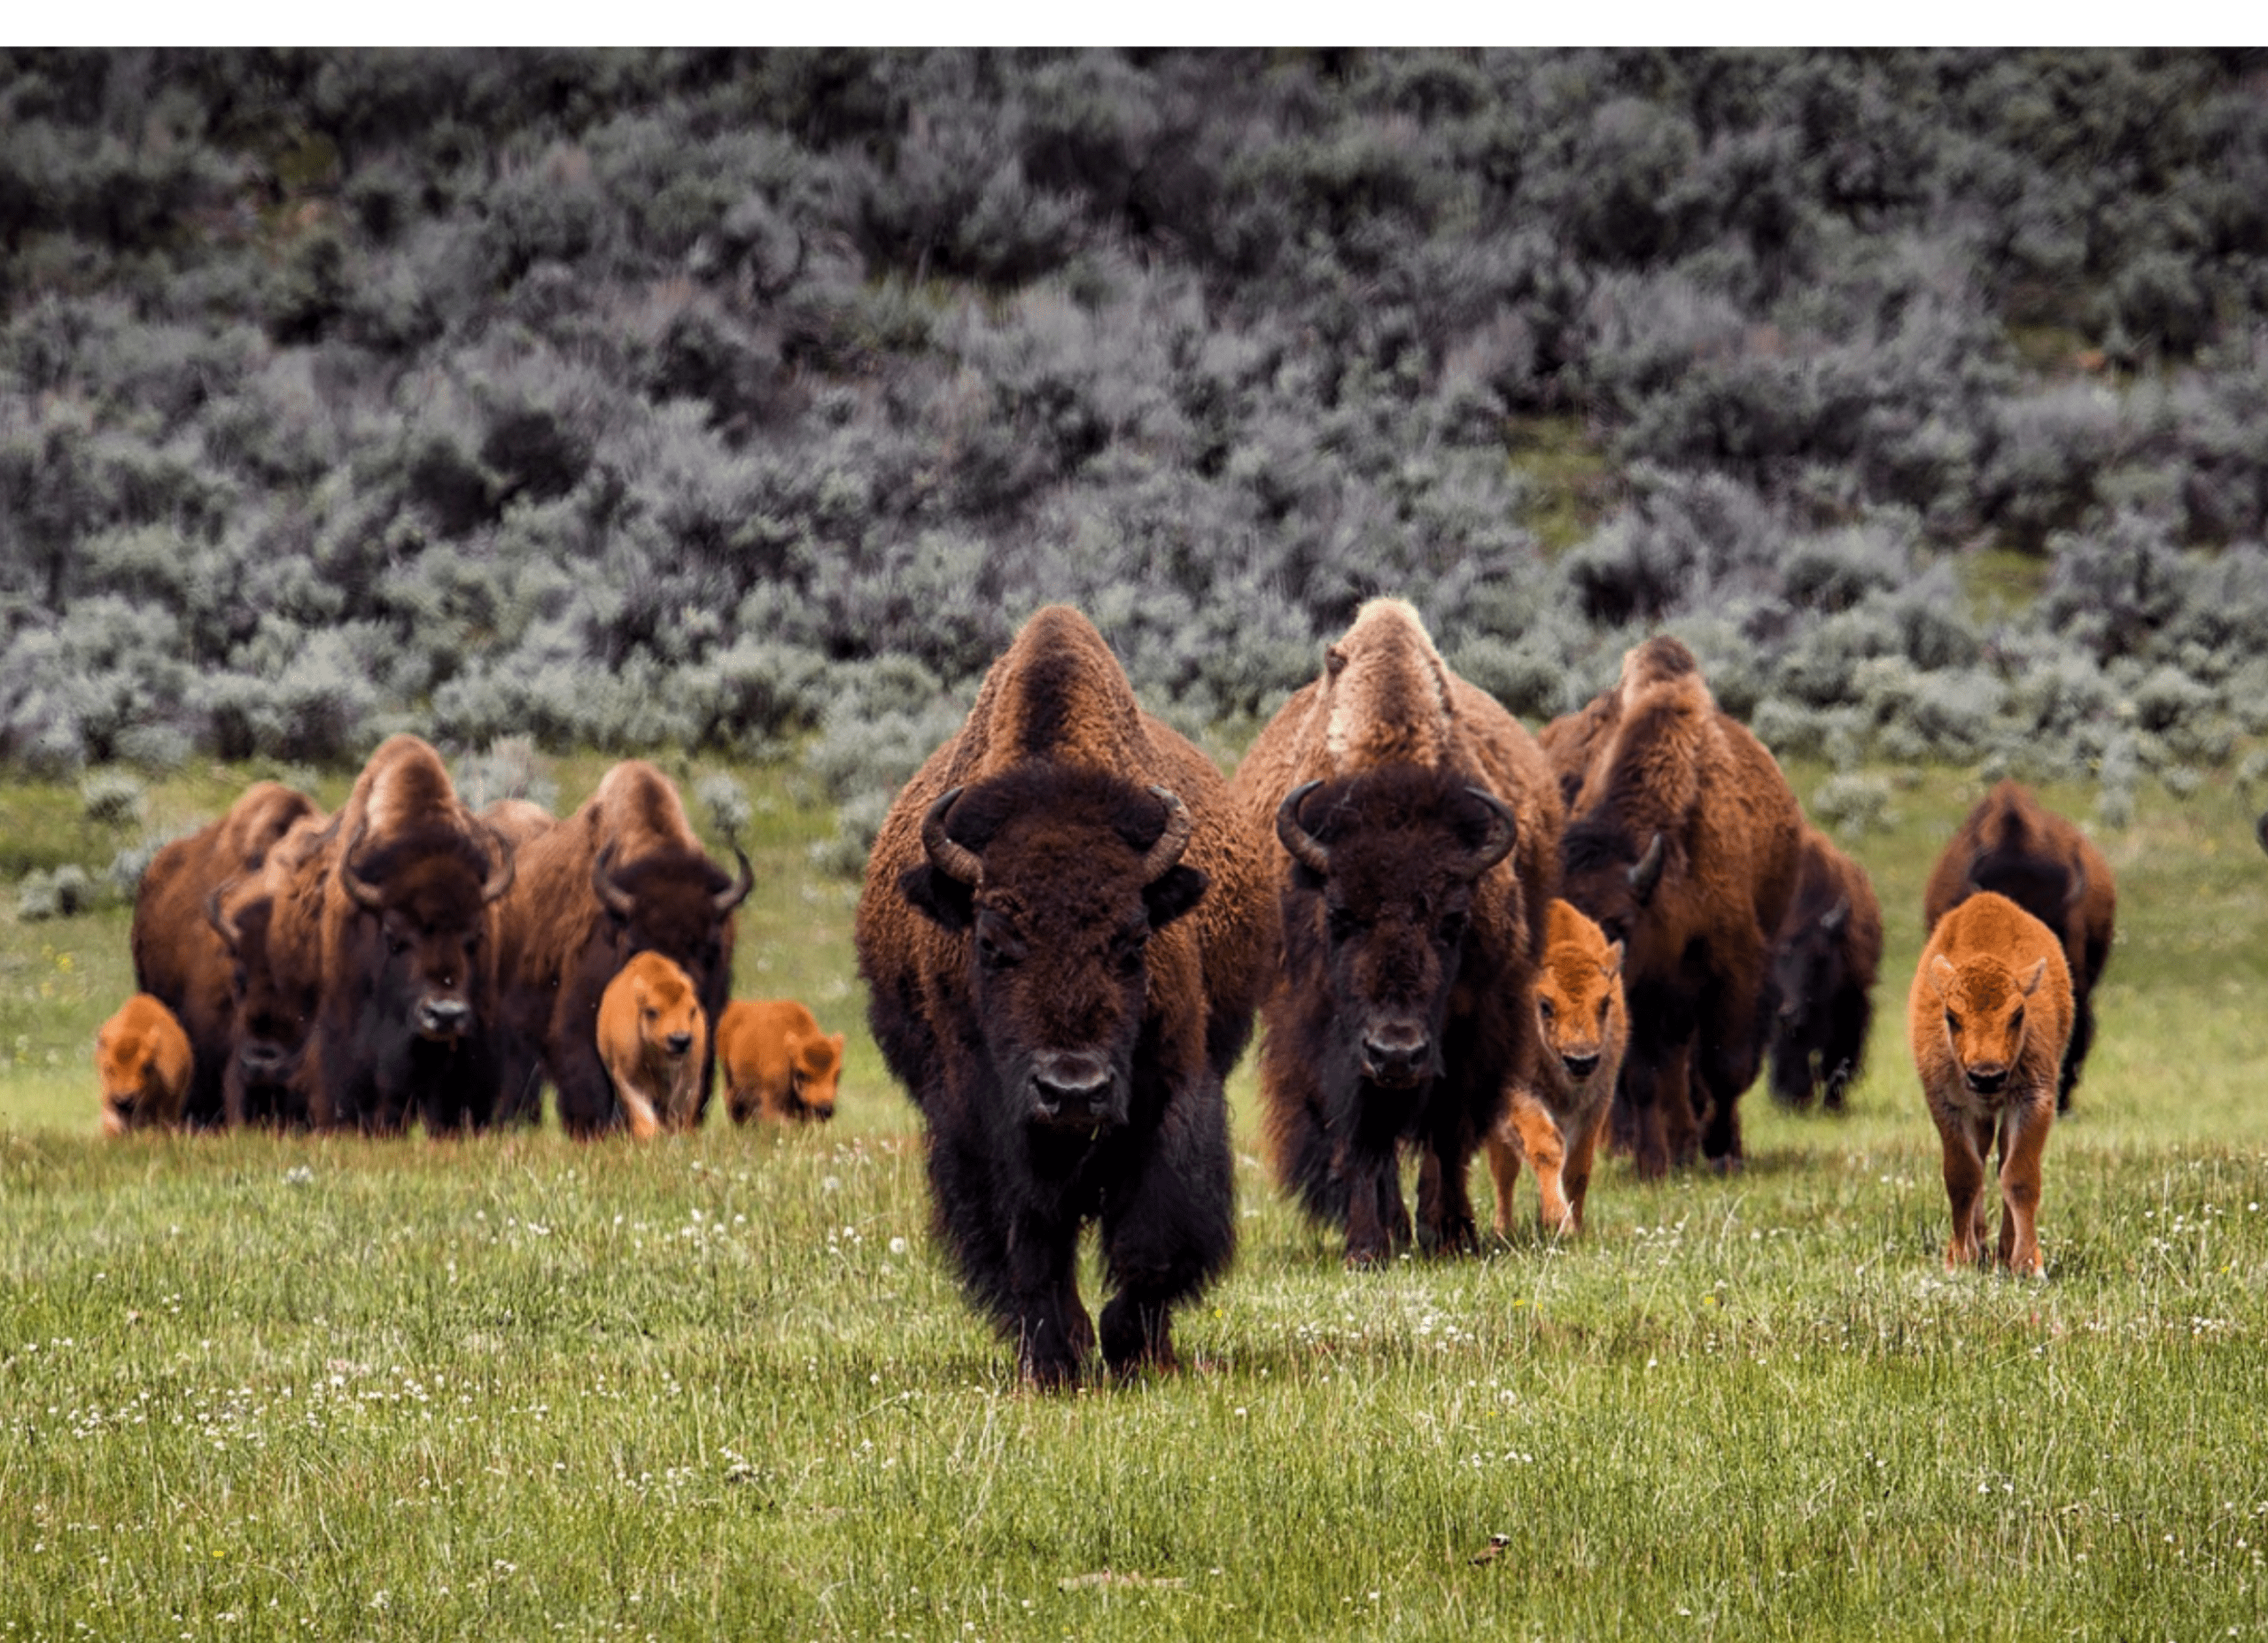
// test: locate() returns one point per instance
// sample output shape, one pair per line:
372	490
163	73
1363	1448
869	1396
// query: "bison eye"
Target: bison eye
1341	923
1544	1007
397	945
1451	929
992	956
2015	1022
1953	1023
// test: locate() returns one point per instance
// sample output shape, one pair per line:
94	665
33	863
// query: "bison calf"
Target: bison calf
653	1036
142	1058
1822	978
1555	1116
1990	1016
778	1066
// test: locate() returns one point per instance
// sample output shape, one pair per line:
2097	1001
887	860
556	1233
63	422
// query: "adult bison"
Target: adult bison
1823	971
1060	935
178	958
270	924
623	875
405	882
1410	825
2013	844
1683	846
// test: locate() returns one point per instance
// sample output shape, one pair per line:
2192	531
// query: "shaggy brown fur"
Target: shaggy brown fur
1060	962
1433	958
143	1061
2014	844
519	820
778	1065
1989	1015
1555	1115
562	943
653	1036
178	957
1683	846
409	878
1823	971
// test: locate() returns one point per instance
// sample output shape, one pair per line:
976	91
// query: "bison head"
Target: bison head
1807	965
677	903
1611	879
1058	877
429	892
142	1059
2042	886
1984	1004
1385	868
273	1008
1578	990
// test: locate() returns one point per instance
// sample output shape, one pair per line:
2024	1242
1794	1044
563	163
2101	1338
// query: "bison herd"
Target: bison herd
1455	936
408	957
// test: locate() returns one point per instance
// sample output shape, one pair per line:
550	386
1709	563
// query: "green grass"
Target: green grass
1570	483
721	1385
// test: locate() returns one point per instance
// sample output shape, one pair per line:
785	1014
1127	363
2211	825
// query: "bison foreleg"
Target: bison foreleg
1167	1233
2023	1140
1445	1224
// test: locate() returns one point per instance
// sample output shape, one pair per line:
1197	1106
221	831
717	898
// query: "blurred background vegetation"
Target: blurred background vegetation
743	404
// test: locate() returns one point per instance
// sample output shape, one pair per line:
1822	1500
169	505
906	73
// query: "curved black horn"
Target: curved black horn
502	865
367	895
223	925
2078	893
956	861
1165	854
734	894
1831	920
1503	832
1647	871
1305	848
611	895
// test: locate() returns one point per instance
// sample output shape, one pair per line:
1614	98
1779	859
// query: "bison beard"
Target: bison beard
1363	1050
1069	1081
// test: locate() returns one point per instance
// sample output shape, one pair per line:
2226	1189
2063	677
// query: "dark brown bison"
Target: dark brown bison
623	875
1683	846
408	880
1061	935
1412	824
1823	972
178	958
270	924
2013	844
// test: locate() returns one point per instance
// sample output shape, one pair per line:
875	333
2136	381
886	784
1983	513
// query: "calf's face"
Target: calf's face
1985	1008
130	1055
669	1016
1577	993
814	1067
1058	879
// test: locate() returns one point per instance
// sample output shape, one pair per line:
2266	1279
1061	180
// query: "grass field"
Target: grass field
721	1385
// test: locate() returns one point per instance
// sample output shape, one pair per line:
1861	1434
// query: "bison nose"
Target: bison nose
1987	1079
443	1018
1579	1066
260	1059
1069	1086
677	1043
1397	1054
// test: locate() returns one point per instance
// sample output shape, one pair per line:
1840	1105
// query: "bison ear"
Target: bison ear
838	1040
943	898
1173	894
1940	973
2030	984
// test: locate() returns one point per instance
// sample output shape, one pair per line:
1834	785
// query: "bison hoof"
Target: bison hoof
1135	1337
1451	1237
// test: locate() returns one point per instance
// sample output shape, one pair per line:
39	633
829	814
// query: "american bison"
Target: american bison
178	958
1823	972
1683	846
143	1061
2014	844
1060	935
1555	1115
777	1063
270	925
1412	824
409	880
1989	1015
653	1038
623	875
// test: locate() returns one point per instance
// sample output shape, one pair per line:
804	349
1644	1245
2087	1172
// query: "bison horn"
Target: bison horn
367	895
223	925
1305	848
949	857
2078	893
734	894
1831	920
1503	832
1165	854
611	895
504	865
1647	871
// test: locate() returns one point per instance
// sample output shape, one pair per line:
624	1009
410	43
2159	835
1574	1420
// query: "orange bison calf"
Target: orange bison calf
1554	1120
142	1058
653	1036
1990	1016
778	1065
